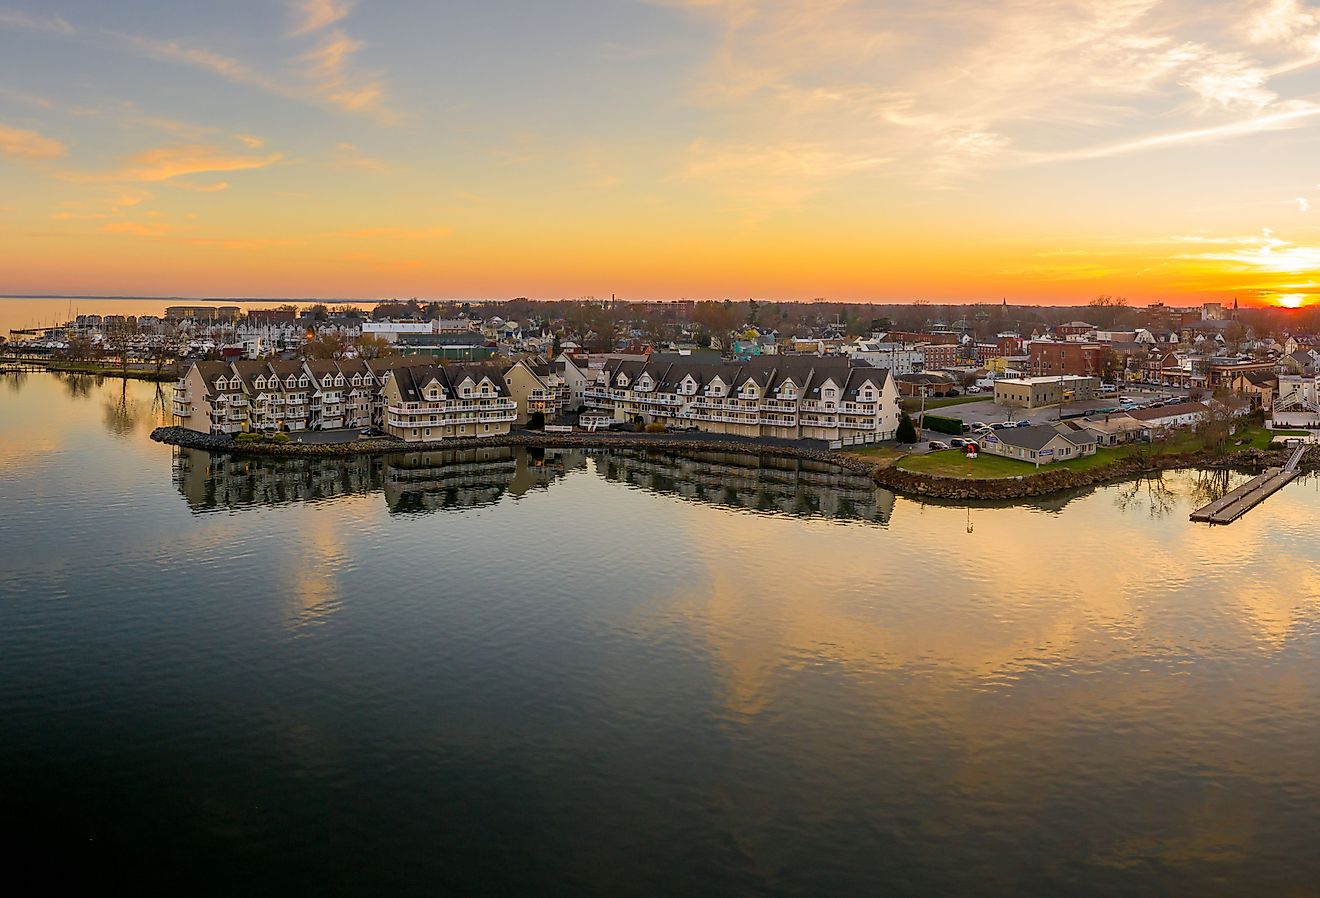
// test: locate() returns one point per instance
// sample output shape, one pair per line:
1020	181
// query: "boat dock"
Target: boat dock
1235	503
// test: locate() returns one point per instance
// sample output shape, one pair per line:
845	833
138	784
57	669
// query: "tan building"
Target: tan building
1259	387
540	388
210	398
1034	392
430	402
279	395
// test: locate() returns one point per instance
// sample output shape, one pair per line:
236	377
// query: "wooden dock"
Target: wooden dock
1235	503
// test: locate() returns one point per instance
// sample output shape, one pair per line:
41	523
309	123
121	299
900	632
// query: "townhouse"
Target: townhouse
540	388
789	397
277	395
429	402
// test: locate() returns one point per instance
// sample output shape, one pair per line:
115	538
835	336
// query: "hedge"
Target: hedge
943	425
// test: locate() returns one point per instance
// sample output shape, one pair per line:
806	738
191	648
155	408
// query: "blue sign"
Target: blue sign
1045	452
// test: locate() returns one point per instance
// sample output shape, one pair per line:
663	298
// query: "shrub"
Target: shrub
246	437
280	438
907	431
943	425
655	427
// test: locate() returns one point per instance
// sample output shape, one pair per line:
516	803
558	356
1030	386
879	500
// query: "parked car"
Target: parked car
979	425
937	444
967	428
957	443
973	389
1001	425
1024	424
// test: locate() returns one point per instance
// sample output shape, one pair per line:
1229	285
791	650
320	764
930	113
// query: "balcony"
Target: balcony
182	409
779	405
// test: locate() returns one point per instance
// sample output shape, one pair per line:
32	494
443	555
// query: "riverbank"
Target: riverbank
882	471
168	375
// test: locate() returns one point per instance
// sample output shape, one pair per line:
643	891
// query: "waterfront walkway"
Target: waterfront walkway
1235	503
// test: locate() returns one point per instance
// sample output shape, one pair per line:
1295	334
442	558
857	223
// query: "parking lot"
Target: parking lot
988	412
985	411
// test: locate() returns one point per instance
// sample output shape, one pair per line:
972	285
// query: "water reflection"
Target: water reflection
425	482
769	484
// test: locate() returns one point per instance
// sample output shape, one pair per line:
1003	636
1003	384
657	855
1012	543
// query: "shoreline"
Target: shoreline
904	483
90	370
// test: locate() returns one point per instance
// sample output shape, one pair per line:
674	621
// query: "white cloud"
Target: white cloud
951	88
1303	204
313	15
10	18
18	143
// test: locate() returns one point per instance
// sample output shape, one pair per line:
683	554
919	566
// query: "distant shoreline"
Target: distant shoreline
904	483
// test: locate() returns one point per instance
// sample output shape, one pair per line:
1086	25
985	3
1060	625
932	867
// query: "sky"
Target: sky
1042	151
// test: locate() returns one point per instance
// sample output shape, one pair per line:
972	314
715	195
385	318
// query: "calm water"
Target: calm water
632	674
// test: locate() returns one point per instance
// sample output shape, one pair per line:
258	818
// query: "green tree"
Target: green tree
907	431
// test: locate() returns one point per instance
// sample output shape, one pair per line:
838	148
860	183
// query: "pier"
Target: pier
1235	503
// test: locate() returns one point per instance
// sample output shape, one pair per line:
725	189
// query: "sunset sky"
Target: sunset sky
1036	150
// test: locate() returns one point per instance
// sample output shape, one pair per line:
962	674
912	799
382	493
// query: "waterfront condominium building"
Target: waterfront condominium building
279	395
432	402
790	397
539	387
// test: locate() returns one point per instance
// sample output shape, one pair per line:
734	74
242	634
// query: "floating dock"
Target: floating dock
1235	503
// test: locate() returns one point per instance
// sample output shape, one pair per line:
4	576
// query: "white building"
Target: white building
1298	404
790	397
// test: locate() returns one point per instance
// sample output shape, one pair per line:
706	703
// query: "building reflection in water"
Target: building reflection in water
426	482
770	484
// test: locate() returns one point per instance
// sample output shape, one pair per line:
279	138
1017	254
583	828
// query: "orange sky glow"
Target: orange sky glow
1045	153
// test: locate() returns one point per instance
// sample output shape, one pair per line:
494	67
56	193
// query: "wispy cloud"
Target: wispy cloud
18	143
10	18
166	163
313	15
950	88
331	75
324	74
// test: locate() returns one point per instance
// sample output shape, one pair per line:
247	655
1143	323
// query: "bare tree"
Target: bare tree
372	346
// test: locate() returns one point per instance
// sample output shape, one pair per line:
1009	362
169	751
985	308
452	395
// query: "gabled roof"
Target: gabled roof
249	371
1038	436
212	371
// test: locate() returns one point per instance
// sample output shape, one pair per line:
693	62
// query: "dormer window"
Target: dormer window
302	381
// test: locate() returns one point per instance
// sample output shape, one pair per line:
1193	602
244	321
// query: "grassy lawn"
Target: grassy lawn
877	453
914	405
952	462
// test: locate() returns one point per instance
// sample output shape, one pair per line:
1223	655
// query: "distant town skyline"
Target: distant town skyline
1045	152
